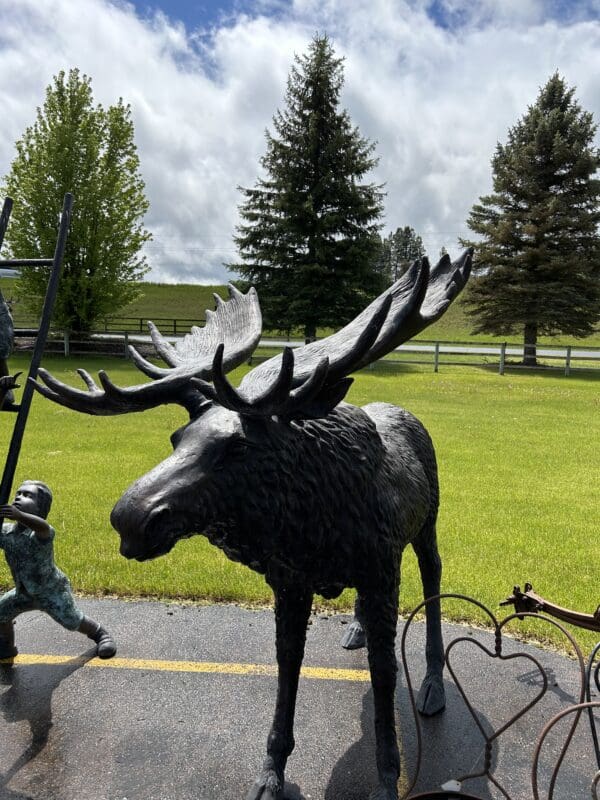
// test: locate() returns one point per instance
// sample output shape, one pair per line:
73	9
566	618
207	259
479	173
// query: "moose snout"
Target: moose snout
144	532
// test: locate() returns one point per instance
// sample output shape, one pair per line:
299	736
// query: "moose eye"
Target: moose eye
239	448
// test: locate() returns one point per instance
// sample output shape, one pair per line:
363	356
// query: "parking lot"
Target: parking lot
183	711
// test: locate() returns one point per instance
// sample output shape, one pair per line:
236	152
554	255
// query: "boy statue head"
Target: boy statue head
38	496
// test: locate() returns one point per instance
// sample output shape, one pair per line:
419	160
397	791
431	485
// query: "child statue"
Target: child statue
39	584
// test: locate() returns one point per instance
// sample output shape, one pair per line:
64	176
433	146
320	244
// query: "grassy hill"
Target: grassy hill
188	301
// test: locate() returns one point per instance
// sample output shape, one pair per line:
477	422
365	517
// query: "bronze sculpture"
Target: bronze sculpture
7	384
39	584
283	476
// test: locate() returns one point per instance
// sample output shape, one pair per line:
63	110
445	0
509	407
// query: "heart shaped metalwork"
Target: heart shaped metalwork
499	657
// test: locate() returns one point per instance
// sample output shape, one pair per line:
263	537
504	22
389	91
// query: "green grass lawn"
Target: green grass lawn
519	466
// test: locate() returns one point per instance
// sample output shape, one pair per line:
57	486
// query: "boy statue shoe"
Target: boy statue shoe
106	645
7	641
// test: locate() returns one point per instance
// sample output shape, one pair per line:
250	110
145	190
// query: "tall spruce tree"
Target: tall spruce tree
398	251
309	239
90	151
538	258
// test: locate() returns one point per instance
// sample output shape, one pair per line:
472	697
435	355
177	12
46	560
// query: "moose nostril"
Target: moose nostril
127	548
158	517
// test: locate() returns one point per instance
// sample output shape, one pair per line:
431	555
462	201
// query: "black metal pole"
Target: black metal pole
4	217
19	429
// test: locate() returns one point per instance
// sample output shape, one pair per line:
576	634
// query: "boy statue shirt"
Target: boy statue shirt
39	583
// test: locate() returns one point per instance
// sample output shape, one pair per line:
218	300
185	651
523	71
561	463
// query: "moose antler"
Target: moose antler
314	396
308	382
415	301
236	324
277	400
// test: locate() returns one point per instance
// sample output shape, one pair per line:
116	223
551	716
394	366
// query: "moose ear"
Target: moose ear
322	403
199	401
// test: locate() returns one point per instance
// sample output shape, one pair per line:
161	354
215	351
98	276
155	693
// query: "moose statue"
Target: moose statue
312	492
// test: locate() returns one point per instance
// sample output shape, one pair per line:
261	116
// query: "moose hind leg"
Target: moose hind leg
380	615
354	638
431	698
292	610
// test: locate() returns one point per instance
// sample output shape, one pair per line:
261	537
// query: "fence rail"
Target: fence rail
168	325
478	354
117	333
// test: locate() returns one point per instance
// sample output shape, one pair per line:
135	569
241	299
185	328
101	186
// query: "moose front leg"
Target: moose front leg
292	610
380	618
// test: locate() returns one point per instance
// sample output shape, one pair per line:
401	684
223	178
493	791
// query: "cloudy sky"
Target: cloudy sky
437	83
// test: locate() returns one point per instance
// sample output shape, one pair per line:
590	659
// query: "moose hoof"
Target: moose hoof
432	697
384	793
354	638
267	787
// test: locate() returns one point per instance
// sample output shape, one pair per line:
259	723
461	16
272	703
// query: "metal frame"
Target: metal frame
527	605
56	264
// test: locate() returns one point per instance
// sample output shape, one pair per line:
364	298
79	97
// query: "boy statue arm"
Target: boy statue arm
38	525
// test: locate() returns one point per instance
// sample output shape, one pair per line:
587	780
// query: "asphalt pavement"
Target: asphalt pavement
183	711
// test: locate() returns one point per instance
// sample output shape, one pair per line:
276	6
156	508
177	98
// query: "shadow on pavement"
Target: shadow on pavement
355	776
29	698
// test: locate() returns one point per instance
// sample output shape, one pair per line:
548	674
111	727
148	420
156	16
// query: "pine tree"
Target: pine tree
538	259
309	238
89	151
398	251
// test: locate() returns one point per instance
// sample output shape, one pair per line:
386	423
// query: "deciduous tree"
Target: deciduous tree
79	147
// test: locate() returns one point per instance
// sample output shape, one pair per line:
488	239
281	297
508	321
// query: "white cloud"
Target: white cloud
436	100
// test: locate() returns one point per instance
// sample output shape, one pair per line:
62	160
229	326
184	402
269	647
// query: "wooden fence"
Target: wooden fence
436	354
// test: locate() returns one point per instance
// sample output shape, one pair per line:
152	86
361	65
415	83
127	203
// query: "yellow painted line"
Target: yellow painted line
215	667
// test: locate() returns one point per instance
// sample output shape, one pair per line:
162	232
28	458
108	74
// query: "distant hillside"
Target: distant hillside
157	301
184	301
160	301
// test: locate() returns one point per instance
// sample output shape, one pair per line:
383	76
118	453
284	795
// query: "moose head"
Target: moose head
285	477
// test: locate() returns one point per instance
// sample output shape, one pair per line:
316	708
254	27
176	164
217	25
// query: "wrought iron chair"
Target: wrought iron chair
527	604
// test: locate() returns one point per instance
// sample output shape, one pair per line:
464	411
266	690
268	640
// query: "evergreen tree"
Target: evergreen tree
89	151
309	238
538	258
398	251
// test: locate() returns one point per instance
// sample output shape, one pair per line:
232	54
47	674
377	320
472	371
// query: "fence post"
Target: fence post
67	344
436	357
126	340
141	325
502	358
568	361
